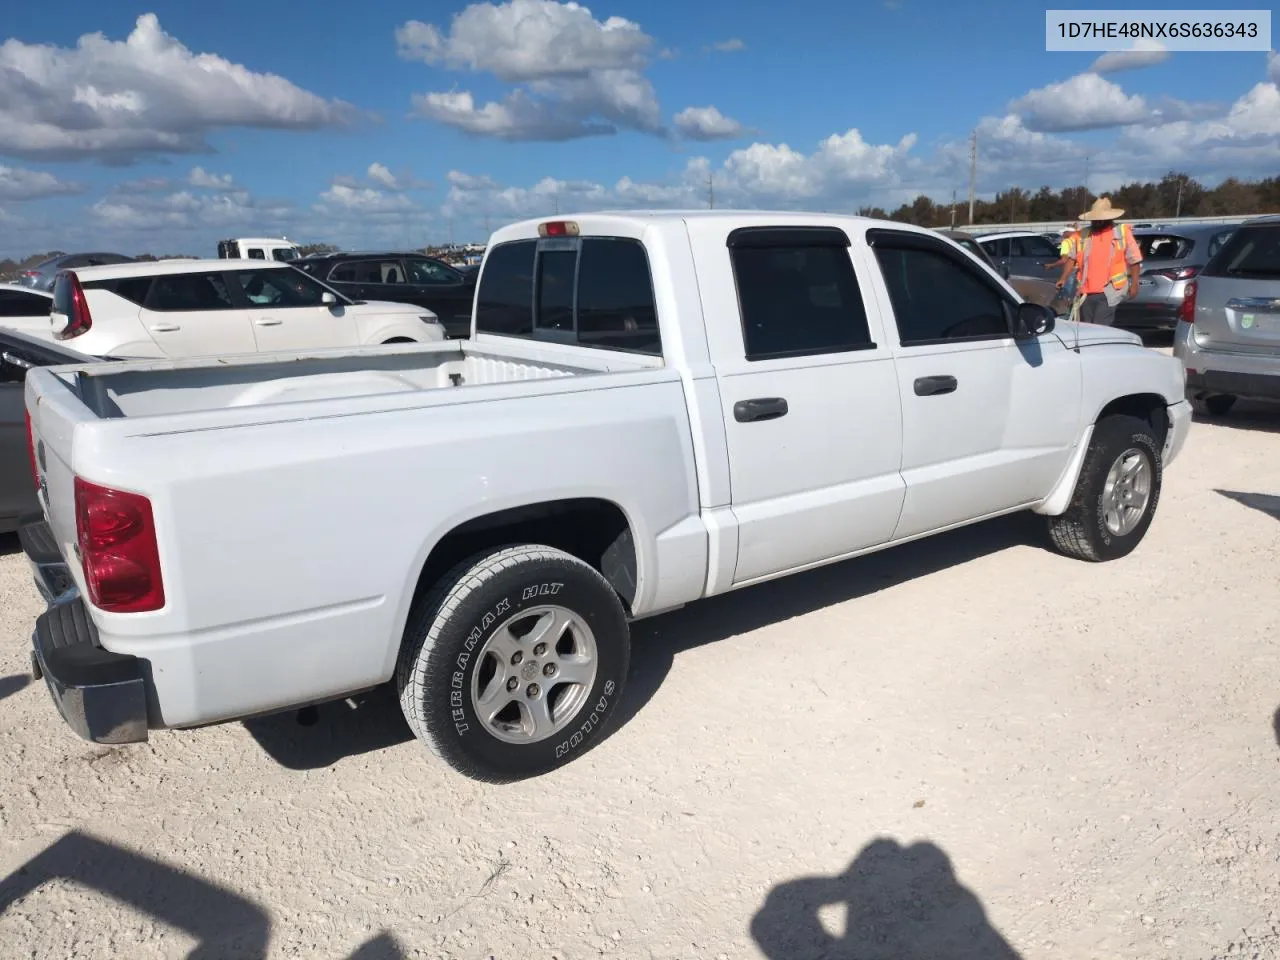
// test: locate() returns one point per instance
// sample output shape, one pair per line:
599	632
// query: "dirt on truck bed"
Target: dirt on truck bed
968	747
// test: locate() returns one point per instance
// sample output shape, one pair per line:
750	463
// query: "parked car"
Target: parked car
403	277
258	248
1024	253
1171	257
25	309
206	308
41	276
20	352
477	521
1039	290
1229	335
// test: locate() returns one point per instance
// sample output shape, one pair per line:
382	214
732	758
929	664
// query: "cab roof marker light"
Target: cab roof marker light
558	228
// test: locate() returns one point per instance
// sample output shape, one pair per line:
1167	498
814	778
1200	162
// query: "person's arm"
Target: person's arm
1132	256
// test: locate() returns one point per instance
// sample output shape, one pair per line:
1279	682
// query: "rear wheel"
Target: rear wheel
1116	493
1214	405
514	663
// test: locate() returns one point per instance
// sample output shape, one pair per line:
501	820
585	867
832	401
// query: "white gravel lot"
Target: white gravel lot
964	748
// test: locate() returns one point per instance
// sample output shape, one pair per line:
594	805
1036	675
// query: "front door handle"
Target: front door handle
165	327
932	386
760	408
268	322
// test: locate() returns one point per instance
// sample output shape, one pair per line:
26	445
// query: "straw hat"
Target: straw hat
1102	210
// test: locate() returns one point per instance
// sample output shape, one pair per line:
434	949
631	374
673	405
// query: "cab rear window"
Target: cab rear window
594	291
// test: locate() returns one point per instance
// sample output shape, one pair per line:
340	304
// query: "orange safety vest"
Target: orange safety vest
1121	234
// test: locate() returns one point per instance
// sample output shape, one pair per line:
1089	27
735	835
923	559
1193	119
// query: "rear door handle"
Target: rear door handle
932	386
164	327
760	408
268	322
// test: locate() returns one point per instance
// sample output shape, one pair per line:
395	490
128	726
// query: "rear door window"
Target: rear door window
191	292
504	301
1162	246
1252	253
14	303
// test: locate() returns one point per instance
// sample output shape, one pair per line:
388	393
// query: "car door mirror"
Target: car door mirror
1031	320
328	299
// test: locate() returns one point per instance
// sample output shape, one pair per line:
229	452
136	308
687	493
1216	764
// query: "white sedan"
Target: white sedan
200	308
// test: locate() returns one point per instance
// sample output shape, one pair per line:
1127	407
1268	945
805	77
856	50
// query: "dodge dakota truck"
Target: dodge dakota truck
652	408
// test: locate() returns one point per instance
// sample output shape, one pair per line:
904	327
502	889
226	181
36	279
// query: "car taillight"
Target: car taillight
117	537
1187	308
79	320
1176	273
31	449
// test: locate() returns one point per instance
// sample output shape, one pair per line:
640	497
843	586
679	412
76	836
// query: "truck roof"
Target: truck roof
158	268
599	221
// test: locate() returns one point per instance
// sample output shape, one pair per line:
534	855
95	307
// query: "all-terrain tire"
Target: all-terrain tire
452	625
1081	532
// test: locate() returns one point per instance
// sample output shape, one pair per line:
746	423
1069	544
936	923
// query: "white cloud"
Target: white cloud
466	181
732	45
380	174
364	200
18	183
143	185
203	180
707	123
186	211
577	76
1086	101
146	95
1145	53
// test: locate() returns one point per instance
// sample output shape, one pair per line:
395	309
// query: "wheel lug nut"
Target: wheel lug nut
539	649
516	657
512	684
533	690
549	670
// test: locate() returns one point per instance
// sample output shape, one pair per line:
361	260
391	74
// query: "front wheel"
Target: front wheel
1116	494
514	663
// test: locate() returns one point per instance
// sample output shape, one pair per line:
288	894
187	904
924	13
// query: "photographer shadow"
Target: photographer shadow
900	903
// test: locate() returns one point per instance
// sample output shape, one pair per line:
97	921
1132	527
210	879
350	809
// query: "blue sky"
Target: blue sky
367	136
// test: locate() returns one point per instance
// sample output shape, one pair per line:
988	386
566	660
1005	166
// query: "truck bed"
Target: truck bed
158	388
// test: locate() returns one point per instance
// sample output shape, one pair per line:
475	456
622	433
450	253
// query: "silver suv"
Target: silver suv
1228	337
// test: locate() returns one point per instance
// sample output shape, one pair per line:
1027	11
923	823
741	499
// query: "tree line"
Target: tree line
1175	194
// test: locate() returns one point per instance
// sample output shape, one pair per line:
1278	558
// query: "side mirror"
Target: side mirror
328	299
1031	320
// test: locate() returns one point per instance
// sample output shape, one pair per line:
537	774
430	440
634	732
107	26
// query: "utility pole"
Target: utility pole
953	209
711	191
1178	212
1086	173
973	171
451	231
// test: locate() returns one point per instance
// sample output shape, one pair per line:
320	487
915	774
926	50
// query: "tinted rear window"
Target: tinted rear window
1252	253
504	302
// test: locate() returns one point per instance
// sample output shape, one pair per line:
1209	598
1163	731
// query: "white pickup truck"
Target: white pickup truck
652	408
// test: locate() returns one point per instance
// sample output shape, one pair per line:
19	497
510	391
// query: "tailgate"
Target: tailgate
56	411
1238	293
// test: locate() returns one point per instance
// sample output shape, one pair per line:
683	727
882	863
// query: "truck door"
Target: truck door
808	393
988	423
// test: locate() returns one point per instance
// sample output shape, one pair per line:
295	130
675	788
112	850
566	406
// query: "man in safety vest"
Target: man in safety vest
1108	262
1067	256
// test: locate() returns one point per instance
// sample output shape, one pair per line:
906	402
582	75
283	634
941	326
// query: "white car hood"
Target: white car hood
1092	334
383	307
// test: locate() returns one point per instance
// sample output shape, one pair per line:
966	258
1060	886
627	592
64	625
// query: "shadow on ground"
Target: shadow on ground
893	903
223	923
11	685
1247	415
9	544
1262	502
373	721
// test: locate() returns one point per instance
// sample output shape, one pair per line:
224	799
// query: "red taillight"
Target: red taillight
31	449
117	537
1187	308
1176	273
558	228
79	320
31	273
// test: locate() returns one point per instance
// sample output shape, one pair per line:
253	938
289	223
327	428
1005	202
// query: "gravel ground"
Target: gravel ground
964	748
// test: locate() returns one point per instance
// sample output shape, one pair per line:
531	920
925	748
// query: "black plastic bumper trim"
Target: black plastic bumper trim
1259	385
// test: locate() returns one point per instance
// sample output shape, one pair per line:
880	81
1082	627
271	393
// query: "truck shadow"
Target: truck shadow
656	642
9	544
892	903
1247	415
1262	502
322	736
223	923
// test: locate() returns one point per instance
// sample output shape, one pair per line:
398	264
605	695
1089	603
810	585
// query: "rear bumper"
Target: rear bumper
1139	315
101	695
1262	386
